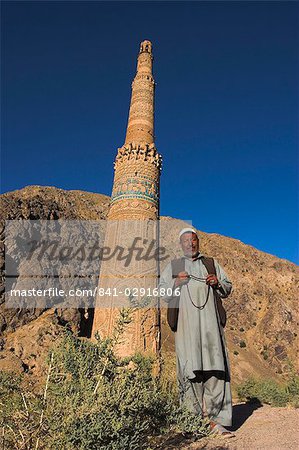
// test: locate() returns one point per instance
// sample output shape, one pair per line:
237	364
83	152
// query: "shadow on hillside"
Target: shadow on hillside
242	412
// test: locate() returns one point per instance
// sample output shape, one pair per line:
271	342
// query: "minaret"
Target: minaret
134	211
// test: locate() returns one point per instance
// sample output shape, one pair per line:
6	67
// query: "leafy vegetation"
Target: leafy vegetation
271	392
92	399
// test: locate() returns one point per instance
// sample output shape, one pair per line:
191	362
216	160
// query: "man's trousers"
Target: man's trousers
208	394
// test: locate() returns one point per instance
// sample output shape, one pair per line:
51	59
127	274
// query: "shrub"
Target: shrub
242	344
270	392
92	399
265	354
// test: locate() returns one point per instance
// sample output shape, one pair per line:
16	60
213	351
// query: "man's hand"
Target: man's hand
212	280
182	278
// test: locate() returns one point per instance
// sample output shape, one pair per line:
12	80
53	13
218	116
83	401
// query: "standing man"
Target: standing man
202	362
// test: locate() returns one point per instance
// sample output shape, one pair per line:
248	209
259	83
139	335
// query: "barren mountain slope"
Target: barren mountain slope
262	317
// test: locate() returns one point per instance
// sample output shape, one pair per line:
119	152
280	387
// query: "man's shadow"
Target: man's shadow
243	411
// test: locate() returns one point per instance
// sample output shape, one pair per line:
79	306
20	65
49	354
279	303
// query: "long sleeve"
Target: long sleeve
225	283
166	285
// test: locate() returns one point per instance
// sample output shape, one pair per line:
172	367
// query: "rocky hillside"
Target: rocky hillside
262	311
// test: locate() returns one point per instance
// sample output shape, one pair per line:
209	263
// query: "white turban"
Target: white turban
187	230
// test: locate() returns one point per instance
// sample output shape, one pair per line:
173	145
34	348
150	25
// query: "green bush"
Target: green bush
270	392
92	399
110	403
265	354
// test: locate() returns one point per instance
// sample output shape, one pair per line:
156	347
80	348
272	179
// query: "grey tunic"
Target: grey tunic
199	339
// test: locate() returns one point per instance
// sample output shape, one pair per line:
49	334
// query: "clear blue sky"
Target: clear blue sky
226	106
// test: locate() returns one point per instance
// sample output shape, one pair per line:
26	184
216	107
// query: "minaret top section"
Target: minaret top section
140	129
146	46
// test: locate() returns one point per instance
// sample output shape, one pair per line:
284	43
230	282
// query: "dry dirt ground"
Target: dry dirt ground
256	428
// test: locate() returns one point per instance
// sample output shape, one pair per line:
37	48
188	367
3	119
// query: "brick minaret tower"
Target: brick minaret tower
134	211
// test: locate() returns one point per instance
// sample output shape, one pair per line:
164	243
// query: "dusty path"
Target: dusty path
256	428
267	428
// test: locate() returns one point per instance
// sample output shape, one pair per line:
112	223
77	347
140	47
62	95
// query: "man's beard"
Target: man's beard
192	253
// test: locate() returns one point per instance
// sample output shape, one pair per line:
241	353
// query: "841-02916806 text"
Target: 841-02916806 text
136	292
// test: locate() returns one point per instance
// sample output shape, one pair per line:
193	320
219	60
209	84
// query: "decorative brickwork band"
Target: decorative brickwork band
136	182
